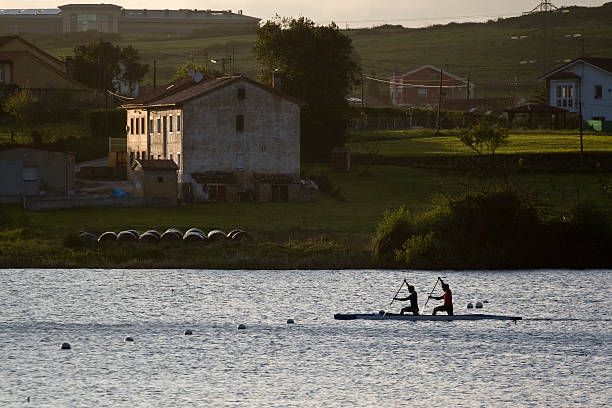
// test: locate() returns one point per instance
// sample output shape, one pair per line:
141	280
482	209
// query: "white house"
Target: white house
583	84
232	138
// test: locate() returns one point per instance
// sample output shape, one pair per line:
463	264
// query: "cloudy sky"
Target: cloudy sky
354	13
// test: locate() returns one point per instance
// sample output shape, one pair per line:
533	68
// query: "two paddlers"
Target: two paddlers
447	306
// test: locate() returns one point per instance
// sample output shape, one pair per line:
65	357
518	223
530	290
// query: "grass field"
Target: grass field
398	143
485	51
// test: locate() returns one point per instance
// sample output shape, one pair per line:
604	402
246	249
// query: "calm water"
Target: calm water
562	357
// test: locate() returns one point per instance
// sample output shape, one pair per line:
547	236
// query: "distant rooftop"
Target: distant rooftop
134	13
12	12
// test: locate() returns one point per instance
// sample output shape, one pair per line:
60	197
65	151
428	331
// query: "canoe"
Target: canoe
411	317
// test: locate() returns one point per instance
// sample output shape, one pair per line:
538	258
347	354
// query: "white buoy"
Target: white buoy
241	326
188	332
128	339
478	305
290	321
65	346
470	305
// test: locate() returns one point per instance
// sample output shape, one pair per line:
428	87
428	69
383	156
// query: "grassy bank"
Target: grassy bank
326	234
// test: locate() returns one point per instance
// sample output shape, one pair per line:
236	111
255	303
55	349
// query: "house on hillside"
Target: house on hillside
29	171
420	85
23	65
231	138
583	86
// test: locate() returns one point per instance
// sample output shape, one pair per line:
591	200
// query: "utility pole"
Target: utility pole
362	79
468	89
154	74
394	87
439	104
580	113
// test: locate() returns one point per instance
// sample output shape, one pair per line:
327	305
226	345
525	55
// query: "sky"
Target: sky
351	13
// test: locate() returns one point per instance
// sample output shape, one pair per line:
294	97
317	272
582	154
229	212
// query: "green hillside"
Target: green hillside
484	50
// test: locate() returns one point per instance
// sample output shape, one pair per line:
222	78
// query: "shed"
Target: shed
30	171
546	116
155	179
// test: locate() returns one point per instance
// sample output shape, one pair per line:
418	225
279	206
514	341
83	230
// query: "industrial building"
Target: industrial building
110	18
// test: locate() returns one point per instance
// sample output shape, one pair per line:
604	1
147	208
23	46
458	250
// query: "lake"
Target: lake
560	355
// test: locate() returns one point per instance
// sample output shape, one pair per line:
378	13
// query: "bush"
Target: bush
493	230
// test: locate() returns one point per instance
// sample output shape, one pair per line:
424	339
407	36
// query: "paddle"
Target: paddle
398	291
430	293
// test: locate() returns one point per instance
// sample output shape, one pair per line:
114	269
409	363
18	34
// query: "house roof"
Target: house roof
168	89
601	63
190	91
418	68
155	164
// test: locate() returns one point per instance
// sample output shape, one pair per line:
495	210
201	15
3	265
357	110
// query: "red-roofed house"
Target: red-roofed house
232	138
583	83
421	86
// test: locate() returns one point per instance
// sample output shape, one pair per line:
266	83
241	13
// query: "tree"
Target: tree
21	106
182	71
316	65
484	137
99	62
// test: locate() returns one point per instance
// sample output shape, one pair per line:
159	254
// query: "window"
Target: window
160	179
171	156
239	123
1	73
150	126
159	157
170	123
240	161
144	155
142	127
565	96
178	123
422	92
158	125
598	92
178	160
137	155
131	158
165	125
132	126
29	173
137	126
150	157
241	94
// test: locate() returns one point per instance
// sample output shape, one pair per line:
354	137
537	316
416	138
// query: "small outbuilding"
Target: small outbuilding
540	116
31	171
155	179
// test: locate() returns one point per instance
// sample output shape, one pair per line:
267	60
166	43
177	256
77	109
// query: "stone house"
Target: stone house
155	179
28	171
231	138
